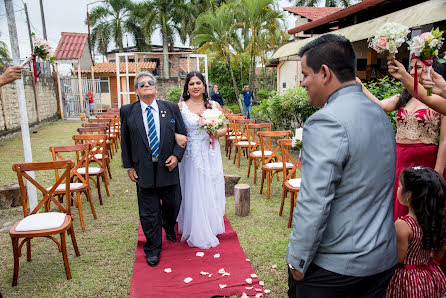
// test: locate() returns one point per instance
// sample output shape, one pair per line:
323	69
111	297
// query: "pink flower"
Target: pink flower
287	105
381	43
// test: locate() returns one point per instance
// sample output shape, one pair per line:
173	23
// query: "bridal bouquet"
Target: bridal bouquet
388	38
42	49
424	47
211	121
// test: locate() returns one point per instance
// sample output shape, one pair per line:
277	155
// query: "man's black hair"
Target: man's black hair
335	51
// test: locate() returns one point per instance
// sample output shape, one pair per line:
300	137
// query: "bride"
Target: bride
201	171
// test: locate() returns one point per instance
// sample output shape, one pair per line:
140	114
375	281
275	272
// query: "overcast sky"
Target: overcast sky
61	16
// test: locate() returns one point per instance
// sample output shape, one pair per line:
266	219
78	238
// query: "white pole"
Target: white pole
32	195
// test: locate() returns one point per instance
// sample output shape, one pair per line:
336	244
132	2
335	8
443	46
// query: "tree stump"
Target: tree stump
10	196
242	199
230	182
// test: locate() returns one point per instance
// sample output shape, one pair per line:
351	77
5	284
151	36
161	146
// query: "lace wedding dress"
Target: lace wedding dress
200	218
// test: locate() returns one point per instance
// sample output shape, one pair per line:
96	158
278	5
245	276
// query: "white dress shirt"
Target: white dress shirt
156	118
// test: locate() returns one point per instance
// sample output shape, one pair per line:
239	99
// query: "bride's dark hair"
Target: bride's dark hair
186	94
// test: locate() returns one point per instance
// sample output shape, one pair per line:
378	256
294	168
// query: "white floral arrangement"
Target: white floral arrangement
212	120
424	47
389	37
42	49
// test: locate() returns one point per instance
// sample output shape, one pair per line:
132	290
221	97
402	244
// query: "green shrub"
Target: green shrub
234	108
174	94
262	94
286	111
383	88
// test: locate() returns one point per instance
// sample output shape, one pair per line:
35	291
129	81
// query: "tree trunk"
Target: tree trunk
242	199
237	94
166	68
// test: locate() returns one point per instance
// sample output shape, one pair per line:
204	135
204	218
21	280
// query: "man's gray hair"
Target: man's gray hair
143	74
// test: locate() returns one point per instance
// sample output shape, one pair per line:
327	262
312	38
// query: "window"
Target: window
104	84
284	85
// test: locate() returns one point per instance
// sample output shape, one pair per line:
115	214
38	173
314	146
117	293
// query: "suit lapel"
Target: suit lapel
163	121
137	115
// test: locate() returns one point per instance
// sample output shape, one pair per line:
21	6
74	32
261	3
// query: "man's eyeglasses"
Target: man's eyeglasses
143	83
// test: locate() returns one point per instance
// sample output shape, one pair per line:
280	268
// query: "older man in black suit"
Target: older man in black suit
151	155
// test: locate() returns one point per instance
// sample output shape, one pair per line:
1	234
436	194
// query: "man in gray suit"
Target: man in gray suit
343	242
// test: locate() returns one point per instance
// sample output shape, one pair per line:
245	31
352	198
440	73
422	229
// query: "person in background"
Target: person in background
11	74
90	101
248	97
343	242
216	95
420	233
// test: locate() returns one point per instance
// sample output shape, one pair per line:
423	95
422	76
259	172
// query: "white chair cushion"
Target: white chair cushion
259	153
112	135
73	186
91	170
41	221
114	130
245	143
98	156
278	165
233	138
295	182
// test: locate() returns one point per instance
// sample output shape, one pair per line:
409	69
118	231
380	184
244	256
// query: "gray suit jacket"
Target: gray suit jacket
343	218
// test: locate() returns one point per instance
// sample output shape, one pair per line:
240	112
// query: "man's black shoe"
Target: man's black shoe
171	237
153	261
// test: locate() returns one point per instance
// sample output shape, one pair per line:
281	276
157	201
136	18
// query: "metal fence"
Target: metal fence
71	96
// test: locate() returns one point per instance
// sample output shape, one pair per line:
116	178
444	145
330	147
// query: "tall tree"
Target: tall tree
4	54
217	32
258	16
167	16
109	19
327	3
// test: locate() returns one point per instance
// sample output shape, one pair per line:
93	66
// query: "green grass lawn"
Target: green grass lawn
108	244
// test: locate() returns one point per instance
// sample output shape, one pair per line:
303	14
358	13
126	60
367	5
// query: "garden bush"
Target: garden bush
383	88
174	94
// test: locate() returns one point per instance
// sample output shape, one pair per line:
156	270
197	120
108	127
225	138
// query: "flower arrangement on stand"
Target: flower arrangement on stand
42	49
388	38
212	121
424	47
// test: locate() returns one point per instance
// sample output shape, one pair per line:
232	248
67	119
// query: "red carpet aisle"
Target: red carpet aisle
182	260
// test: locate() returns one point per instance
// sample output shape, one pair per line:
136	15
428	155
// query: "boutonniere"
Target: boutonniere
172	121
163	113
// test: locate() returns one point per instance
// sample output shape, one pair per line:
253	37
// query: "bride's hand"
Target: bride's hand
181	140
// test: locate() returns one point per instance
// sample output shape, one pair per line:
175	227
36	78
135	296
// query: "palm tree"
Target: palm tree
217	32
258	16
166	15
4	54
109	20
328	3
100	37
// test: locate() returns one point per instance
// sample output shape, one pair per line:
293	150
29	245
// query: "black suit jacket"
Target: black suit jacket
135	147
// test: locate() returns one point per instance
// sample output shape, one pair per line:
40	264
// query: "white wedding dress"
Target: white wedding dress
200	218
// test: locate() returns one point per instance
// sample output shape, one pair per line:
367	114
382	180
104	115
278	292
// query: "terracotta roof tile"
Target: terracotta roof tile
110	67
71	45
313	13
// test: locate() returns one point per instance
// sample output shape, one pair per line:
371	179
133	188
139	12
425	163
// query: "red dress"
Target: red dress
418	275
422	125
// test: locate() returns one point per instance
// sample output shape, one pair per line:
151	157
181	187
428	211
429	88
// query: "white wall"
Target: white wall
288	75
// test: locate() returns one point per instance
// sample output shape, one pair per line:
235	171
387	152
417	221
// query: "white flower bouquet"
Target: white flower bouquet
212	121
424	47
42	49
388	38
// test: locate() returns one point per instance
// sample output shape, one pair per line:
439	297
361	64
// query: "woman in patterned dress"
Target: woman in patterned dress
419	233
418	127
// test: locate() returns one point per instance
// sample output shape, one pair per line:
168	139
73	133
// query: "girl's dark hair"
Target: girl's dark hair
186	94
428	190
406	96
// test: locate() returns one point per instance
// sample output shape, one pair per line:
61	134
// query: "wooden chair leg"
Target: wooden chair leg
89	199
284	195
79	209
106	183
28	249
108	168
263	179
15	251
73	239
63	243
239	153
269	185
236	149
256	165
249	166
290	219
98	185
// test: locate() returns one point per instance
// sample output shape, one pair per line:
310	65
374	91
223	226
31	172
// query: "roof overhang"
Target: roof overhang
414	16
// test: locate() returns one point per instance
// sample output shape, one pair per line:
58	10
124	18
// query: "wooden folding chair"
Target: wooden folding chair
229	136
98	153
241	141
115	127
111	124
79	176
290	182
44	224
255	155
271	165
99	126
